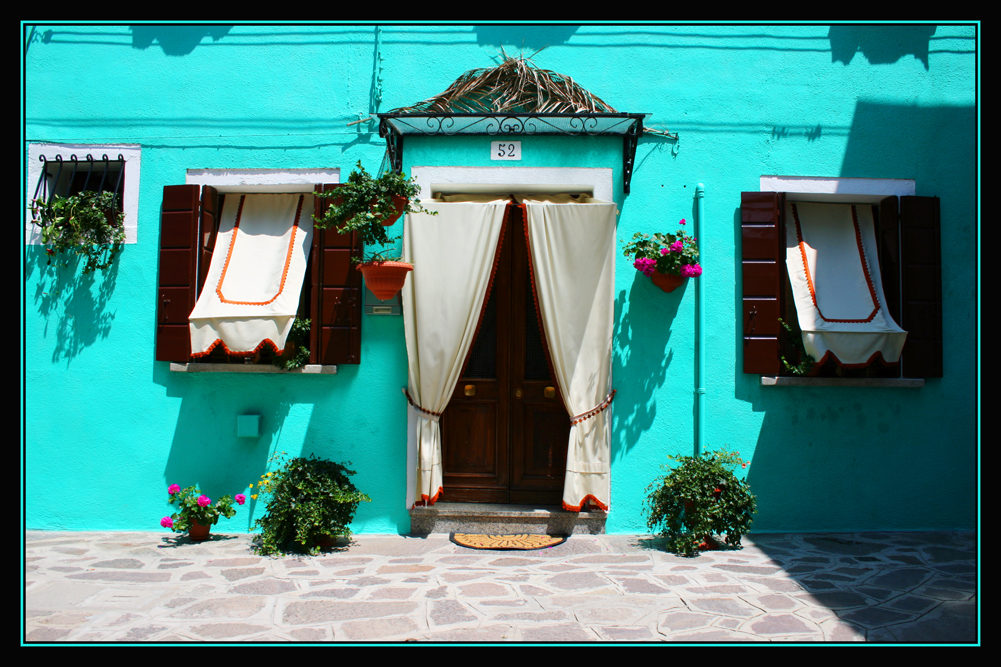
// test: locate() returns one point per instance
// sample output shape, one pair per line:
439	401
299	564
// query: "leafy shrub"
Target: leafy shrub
88	224
698	499
310	499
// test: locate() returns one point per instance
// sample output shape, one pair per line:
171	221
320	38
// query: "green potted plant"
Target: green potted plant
310	502
196	512
667	259
368	205
87	223
698	499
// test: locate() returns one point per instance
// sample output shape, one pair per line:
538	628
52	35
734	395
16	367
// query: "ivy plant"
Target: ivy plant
296	354
361	204
308	499
87	224
699	498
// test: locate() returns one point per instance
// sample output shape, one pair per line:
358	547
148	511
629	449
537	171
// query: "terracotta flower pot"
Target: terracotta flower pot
197	532
400	203
666	281
385	279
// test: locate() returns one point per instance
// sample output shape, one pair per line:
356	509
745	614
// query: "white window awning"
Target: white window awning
831	256
251	292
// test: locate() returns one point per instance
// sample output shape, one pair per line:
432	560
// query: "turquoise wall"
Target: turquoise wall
106	428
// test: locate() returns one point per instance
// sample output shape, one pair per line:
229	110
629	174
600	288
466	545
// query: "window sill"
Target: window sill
900	383
310	369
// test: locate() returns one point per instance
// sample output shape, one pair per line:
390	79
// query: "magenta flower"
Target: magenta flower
677	246
664	251
240	499
167	522
645	264
204	501
173	488
691	271
682	221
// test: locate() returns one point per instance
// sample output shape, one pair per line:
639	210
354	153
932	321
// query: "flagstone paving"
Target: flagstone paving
150	587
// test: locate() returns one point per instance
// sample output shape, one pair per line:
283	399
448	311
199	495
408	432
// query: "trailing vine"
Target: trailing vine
88	224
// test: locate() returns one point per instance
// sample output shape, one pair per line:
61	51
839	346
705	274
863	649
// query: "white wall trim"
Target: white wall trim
130	196
597	180
262	180
847	190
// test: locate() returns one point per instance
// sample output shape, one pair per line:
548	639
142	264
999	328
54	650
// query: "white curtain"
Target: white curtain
572	250
251	292
837	286
453	254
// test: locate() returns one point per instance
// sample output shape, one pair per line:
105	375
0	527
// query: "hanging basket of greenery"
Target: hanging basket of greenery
88	224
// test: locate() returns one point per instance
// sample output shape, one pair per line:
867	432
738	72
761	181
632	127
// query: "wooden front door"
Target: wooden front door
505	430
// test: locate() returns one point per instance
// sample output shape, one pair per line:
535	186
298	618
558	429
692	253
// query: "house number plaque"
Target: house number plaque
505	150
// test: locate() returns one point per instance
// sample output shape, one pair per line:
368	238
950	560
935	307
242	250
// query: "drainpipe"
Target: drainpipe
700	303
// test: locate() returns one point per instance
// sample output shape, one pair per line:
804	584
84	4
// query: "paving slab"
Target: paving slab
93	588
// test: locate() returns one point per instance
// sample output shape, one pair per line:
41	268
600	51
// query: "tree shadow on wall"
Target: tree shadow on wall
524	36
642	335
176	40
74	304
880	44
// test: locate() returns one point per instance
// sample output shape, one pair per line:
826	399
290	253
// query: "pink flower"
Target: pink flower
691	271
682	221
645	264
167	522
204	501
173	488
664	251
677	246
240	499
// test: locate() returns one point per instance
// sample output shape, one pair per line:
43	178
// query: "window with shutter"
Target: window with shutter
908	260
330	296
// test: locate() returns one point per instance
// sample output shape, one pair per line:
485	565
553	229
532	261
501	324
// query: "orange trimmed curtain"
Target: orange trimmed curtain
836	283
252	288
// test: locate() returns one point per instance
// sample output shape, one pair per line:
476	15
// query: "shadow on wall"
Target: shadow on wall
643	357
176	40
74	304
880	44
524	36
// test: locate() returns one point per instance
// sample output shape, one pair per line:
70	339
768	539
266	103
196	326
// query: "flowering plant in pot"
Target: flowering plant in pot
87	224
196	511
665	258
368	205
699	499
310	502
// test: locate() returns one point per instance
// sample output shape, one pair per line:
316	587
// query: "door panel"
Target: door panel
504	436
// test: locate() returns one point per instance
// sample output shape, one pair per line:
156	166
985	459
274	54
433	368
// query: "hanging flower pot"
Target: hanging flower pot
385	278
666	281
400	203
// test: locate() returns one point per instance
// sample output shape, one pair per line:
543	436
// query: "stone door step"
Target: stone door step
496	519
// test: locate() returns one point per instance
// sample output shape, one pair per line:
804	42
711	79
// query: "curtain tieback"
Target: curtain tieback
433	416
576	419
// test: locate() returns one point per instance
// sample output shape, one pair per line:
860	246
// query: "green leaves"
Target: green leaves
310	499
87	224
699	498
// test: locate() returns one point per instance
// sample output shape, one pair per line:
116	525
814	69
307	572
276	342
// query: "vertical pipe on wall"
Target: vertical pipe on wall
700	302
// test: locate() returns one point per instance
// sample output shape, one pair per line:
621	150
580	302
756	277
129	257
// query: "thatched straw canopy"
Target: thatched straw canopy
514	86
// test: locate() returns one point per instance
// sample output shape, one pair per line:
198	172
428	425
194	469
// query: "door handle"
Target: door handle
469	390
549	392
517	393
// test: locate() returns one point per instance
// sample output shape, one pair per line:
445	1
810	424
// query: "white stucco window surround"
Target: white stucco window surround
507	180
262	180
131	153
837	190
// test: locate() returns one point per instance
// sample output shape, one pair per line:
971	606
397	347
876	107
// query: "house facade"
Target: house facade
753	125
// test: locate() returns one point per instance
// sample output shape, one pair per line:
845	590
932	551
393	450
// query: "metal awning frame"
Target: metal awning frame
394	127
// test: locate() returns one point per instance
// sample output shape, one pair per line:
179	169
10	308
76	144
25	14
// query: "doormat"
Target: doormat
521	542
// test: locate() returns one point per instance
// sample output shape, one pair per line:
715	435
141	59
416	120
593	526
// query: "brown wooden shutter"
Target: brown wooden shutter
762	269
176	292
208	231
921	286
336	308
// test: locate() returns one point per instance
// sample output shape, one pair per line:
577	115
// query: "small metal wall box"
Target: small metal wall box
248	426
374	306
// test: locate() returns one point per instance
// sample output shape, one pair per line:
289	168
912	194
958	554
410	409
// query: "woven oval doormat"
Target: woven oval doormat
507	542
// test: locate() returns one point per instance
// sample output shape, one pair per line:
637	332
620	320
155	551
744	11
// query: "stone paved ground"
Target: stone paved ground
154	587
